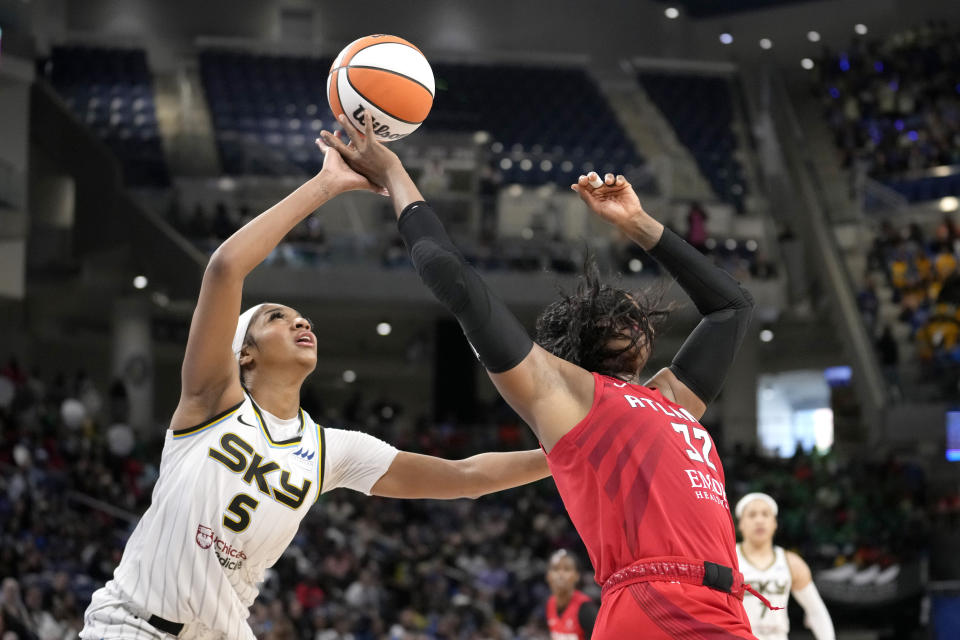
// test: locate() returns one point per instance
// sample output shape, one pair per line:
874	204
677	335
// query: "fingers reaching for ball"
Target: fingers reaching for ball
592	182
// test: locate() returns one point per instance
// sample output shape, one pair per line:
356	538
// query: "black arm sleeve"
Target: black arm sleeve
587	616
705	357
497	337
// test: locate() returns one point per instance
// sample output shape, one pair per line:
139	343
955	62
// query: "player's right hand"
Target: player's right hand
365	154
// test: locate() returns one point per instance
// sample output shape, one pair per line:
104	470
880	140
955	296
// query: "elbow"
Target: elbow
746	301
222	265
470	480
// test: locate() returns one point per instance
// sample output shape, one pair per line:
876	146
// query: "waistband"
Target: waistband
684	570
677	569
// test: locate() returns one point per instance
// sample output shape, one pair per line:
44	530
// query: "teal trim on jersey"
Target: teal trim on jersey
214	421
283	444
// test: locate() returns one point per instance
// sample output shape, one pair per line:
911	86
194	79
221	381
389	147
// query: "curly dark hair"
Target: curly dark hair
579	327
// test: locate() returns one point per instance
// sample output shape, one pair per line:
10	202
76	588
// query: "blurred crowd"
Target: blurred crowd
922	270
542	246
893	104
364	568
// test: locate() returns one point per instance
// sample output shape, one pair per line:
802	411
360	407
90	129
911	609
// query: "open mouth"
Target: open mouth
306	340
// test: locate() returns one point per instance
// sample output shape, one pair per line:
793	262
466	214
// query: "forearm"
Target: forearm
253	242
497	337
403	190
817	617
495	471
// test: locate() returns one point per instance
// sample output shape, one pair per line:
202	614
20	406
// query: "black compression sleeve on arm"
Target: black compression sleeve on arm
587	617
497	337
705	357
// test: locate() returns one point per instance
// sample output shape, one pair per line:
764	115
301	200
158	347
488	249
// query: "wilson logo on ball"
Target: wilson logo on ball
379	129
385	74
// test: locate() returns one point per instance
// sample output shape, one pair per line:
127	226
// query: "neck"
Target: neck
757	547
274	394
563	598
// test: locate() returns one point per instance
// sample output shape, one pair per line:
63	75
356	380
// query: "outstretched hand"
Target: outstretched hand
365	154
612	198
342	178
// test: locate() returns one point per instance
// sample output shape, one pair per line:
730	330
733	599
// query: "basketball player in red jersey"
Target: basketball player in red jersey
571	613
638	474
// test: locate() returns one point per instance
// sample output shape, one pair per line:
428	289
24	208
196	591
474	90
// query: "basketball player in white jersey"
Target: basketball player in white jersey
242	462
775	573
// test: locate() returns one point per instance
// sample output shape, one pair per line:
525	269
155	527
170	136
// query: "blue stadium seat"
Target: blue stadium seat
538	113
111	91
700	109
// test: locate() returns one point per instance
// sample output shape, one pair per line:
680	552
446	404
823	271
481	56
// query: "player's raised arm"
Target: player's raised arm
209	376
697	372
550	394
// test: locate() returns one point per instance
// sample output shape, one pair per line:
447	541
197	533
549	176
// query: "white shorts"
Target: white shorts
111	616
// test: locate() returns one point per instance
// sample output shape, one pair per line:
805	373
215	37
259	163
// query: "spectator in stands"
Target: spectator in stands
697	227
889	353
869	305
14	617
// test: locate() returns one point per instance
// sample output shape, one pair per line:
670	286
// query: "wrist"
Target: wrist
394	174
644	230
321	188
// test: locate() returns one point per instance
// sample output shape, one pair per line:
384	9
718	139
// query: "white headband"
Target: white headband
750	497
242	325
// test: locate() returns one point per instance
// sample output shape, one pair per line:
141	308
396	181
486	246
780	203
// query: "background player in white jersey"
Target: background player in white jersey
775	573
242	462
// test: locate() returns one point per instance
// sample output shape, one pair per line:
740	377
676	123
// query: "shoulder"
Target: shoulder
668	385
208	424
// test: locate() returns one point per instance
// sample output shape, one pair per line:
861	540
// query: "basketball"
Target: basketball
386	75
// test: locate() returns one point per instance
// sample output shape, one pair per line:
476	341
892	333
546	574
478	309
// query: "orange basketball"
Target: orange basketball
387	76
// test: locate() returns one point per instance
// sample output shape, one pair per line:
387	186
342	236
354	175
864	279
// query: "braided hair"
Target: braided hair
581	326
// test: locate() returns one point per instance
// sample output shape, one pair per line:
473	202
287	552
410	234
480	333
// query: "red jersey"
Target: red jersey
567	625
641	478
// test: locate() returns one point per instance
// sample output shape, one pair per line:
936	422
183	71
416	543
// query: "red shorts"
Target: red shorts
670	610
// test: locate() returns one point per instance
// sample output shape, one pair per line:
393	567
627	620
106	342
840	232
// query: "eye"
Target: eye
276	314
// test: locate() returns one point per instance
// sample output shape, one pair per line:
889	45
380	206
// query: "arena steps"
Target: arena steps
834	178
676	170
183	118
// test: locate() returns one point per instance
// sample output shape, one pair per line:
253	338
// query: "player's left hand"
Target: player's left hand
341	177
612	198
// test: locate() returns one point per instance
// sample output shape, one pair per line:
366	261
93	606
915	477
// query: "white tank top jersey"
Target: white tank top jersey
229	500
774	583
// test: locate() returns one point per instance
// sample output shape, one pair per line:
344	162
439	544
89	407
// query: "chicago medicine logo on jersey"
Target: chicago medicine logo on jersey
228	556
204	536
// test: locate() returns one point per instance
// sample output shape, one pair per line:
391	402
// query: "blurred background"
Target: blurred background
812	149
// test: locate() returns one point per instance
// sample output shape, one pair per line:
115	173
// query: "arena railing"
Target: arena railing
801	186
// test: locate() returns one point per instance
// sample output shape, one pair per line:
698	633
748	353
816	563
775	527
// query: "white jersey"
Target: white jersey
773	583
229	499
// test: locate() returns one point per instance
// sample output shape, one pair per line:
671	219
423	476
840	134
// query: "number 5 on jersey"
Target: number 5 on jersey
700	434
238	507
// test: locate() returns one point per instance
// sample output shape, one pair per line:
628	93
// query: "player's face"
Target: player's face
638	356
562	575
758	523
283	336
